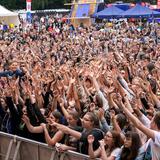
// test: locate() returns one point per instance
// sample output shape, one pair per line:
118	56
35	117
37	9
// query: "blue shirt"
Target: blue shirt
17	72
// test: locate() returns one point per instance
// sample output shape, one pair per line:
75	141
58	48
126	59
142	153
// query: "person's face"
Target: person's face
127	142
86	121
123	73
88	84
51	119
154	73
13	66
71	106
71	120
2	102
109	80
108	138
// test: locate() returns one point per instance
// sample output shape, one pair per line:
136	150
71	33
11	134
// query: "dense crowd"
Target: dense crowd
94	90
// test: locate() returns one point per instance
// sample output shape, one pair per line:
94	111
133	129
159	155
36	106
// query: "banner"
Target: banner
28	10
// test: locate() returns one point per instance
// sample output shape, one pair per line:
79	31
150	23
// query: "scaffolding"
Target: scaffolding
89	7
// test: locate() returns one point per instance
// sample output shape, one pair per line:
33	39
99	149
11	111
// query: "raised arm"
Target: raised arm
65	112
93	154
138	124
67	130
32	129
52	140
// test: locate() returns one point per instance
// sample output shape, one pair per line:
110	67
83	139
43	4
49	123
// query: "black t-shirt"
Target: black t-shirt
72	141
98	135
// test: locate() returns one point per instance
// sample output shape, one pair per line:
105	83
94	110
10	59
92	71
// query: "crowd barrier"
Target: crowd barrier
18	148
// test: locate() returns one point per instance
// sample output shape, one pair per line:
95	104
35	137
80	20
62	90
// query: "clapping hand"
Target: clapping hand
90	139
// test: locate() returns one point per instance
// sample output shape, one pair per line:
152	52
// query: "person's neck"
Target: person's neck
89	128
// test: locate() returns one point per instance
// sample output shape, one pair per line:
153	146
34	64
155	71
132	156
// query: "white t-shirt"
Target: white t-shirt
104	100
155	146
139	156
115	153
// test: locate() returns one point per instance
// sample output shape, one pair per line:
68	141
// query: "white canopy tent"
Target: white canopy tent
8	17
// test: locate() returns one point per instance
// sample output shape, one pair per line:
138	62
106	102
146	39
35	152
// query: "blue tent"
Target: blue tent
110	12
123	6
140	12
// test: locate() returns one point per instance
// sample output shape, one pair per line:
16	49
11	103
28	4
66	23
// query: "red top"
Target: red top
28	0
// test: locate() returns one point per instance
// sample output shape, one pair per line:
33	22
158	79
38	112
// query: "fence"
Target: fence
18	148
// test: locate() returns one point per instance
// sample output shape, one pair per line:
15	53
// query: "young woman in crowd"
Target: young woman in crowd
90	124
51	134
132	148
109	147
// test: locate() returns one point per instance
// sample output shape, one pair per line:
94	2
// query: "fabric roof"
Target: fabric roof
5	12
110	12
139	12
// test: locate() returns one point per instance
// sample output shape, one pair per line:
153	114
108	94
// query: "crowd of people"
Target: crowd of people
94	90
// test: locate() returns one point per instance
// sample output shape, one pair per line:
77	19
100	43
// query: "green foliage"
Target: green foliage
36	4
50	4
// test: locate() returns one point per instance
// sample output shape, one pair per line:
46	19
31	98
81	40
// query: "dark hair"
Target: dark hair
117	139
157	119
132	152
74	114
57	115
76	117
121	119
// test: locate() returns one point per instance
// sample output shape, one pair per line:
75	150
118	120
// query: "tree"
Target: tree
50	4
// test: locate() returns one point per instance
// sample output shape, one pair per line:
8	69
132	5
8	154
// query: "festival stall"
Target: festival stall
140	12
8	17
110	12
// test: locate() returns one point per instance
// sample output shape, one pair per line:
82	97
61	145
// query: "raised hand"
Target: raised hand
90	139
119	98
101	113
61	101
61	127
72	81
61	147
25	119
43	125
102	143
112	114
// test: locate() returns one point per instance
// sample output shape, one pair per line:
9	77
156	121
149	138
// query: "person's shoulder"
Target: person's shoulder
141	153
78	128
116	152
156	134
97	132
155	141
141	149
157	137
